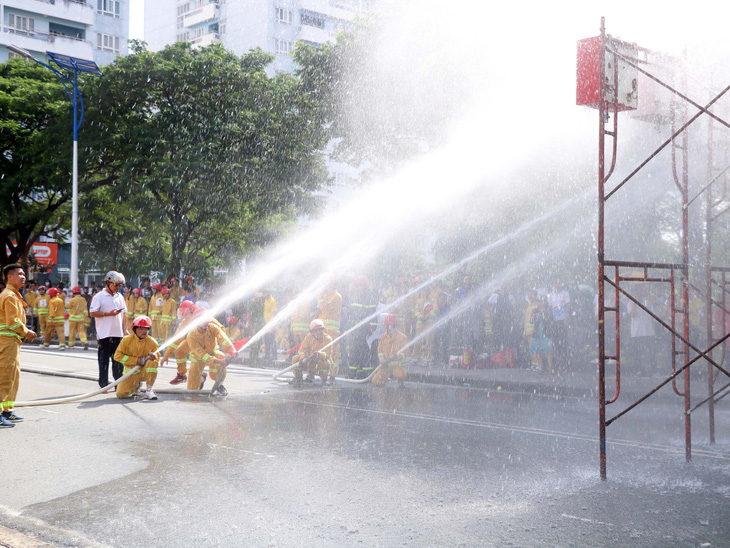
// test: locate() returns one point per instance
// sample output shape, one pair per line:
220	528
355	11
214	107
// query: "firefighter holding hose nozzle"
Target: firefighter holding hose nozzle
390	353
138	348
202	341
313	357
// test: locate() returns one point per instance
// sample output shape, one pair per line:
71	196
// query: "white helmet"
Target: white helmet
114	277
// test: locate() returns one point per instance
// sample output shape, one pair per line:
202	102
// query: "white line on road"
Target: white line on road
586	520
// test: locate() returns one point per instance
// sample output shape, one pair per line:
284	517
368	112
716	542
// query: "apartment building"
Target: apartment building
89	29
240	25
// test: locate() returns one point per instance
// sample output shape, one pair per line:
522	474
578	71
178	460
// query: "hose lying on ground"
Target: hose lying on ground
354	381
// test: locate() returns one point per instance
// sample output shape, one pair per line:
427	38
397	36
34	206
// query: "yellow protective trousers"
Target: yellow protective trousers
128	386
58	328
319	367
42	324
335	354
195	377
181	358
165	328
395	371
423	348
155	331
76	328
9	372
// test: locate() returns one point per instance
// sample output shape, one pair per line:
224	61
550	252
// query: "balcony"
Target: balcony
313	34
42	42
201	15
205	39
79	11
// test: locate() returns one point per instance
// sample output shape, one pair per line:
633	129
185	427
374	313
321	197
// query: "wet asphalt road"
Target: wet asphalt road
425	465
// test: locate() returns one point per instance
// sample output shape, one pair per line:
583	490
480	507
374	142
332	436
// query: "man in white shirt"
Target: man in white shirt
108	309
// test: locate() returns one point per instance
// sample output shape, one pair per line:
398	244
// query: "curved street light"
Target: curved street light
75	65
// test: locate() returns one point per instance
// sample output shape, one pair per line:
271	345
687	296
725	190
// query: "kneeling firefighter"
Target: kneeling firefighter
313	357
202	342
390	353
138	348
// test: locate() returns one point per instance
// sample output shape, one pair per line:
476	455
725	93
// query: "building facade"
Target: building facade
275	26
89	29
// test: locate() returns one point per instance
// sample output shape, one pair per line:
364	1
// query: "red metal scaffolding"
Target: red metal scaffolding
612	274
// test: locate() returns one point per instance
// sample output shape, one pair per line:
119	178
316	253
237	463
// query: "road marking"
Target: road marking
49	411
219	446
586	520
520	429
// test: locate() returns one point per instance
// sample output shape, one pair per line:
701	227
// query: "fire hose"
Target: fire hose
354	381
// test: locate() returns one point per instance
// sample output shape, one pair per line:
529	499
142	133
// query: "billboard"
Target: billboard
45	253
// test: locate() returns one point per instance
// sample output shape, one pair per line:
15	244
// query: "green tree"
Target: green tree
210	148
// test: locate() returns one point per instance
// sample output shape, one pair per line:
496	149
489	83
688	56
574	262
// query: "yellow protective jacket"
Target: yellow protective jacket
56	311
12	314
234	333
130	300
330	306
42	304
270	309
177	340
310	345
77	310
156	303
202	345
300	320
132	347
168	313
177	293
140	307
31	298
390	346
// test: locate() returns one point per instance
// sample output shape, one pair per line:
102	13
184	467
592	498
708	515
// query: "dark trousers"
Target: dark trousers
107	348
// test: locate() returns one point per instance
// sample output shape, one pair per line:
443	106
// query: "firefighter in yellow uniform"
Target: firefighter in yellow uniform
203	340
167	314
140	305
56	320
176	290
425	313
233	331
138	348
12	334
391	355
313	357
179	346
129	300
330	307
300	322
78	312
155	309
42	309
31	299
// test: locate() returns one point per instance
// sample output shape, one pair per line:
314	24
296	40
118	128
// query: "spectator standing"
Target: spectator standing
559	301
109	309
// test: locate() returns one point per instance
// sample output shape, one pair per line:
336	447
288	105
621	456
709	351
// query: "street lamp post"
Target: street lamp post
75	65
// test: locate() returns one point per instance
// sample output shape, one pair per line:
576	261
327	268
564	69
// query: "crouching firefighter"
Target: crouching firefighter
179	346
313	357
391	355
138	348
202	342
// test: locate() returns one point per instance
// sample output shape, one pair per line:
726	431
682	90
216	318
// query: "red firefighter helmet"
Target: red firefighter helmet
427	308
187	305
165	291
165	284
76	290
136	291
390	319
232	320
53	292
156	287
360	281
316	324
141	321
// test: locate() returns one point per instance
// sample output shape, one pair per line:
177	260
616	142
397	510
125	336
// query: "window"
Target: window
283	15
107	42
183	37
180	15
313	19
108	7
284	47
20	24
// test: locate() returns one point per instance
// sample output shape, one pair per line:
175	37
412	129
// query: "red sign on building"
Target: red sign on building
45	253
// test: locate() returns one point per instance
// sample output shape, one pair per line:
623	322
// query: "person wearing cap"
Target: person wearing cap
13	333
108	309
155	309
138	349
179	345
233	331
77	315
391	355
56	320
203	340
313	357
196	290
